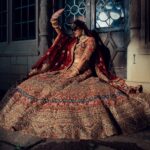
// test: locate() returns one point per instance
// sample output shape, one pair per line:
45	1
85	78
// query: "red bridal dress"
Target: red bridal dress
92	105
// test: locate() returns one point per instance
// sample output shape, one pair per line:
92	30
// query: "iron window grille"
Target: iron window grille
110	15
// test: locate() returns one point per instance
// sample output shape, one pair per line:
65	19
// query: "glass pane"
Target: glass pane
17	3
4	4
3	20
31	1
0	5
109	14
31	30
0	20
17	32
4	33
22	16
31	12
24	2
24	31
0	34
17	14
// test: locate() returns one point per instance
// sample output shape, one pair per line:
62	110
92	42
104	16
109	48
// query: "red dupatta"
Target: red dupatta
58	56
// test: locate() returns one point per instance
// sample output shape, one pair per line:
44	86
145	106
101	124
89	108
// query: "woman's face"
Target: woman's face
78	32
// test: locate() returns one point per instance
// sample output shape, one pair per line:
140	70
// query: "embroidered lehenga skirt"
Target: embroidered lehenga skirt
82	107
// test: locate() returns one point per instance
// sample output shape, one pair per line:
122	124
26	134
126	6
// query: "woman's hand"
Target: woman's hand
33	72
70	74
44	68
54	20
57	13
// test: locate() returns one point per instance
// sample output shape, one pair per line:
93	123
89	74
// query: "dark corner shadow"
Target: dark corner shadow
88	145
68	144
5	95
2	94
3	99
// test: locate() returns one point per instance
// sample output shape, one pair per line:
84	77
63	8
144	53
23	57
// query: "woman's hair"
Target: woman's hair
105	52
81	25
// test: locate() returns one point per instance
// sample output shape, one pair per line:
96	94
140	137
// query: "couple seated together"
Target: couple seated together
72	92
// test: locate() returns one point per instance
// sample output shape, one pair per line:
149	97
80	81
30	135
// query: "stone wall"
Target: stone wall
138	59
14	68
17	57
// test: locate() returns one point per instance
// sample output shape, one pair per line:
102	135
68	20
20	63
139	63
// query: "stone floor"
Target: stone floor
17	141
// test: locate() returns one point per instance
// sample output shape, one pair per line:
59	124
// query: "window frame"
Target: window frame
20	47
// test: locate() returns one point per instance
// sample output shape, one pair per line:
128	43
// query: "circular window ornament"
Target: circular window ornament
74	10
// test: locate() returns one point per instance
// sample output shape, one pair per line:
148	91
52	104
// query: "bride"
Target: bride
71	93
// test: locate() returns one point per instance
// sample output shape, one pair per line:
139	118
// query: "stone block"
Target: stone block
5	69
13	60
4	85
19	69
32	60
4	61
22	60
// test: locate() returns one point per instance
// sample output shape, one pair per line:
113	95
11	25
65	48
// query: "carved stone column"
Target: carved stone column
43	20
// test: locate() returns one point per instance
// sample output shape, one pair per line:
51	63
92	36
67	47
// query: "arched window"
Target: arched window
110	14
74	9
103	15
